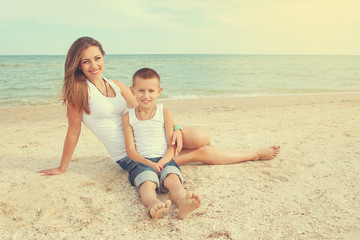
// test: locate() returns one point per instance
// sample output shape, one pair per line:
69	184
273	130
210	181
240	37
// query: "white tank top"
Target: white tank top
149	135
105	119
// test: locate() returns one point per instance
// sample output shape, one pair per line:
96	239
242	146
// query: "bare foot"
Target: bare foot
158	209
188	204
267	153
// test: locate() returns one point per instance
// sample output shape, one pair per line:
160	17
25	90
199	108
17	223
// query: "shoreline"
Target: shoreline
309	191
205	98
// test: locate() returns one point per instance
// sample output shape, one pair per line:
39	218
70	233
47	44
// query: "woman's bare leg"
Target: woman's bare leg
212	155
197	148
194	137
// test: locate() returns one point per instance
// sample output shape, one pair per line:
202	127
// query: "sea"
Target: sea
37	79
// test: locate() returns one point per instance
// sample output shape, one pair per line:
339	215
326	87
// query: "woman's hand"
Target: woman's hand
177	139
53	171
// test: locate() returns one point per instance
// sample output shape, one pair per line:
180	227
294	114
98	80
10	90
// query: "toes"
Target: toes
276	150
194	197
167	203
158	210
157	206
197	197
189	195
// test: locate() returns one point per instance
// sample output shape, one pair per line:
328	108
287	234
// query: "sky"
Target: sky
182	27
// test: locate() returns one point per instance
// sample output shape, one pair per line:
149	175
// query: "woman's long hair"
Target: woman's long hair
75	88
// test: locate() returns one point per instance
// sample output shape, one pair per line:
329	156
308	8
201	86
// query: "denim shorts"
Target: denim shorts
140	173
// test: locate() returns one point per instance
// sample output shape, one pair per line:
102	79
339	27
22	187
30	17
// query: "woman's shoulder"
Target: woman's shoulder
126	93
118	83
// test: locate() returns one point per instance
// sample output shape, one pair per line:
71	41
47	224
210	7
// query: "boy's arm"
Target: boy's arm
130	145
169	129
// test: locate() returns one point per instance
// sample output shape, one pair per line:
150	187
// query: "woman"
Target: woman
100	104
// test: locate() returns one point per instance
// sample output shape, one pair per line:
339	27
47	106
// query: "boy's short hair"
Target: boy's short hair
145	73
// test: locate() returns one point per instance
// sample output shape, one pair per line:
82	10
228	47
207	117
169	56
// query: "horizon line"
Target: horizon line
268	54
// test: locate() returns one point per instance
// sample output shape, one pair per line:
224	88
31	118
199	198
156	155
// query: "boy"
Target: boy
148	129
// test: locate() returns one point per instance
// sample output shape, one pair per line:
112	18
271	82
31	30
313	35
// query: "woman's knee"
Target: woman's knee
194	137
205	151
205	155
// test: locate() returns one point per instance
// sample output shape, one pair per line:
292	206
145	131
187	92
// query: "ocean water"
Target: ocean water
34	80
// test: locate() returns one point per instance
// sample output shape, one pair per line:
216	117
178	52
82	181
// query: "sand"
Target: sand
310	191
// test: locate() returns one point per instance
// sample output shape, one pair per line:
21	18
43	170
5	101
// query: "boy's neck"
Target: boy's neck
146	109
145	113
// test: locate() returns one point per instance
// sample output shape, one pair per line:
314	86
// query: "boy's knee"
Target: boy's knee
170	179
148	184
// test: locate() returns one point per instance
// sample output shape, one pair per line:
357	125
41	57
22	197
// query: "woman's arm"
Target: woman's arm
127	95
74	116
130	145
169	130
177	139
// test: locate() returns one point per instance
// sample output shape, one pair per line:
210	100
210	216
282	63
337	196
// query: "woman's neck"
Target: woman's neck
97	80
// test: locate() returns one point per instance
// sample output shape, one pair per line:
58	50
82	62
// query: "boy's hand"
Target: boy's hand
53	171
156	167
161	165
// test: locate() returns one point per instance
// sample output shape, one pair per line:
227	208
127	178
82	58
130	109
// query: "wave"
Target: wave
245	95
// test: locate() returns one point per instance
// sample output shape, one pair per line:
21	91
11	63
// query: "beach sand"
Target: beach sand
310	191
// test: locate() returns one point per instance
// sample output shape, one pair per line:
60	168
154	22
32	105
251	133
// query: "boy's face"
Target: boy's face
146	91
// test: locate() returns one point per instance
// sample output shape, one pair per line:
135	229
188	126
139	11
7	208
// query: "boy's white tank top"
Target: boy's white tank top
105	119
149	135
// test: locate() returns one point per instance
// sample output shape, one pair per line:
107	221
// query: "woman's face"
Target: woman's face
92	63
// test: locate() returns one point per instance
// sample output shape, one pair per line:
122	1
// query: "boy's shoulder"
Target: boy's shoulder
166	112
165	109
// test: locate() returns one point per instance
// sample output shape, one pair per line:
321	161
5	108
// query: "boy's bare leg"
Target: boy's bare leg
212	155
156	207
186	202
